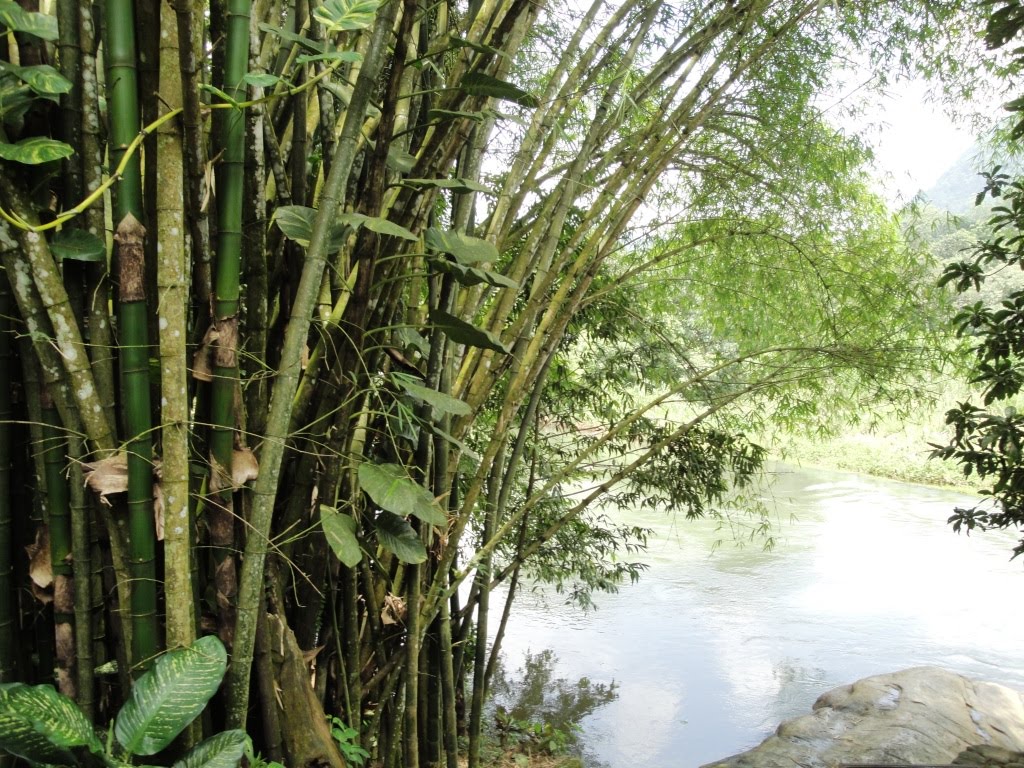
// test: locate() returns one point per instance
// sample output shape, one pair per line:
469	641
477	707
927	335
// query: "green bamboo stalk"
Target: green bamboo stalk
135	377
8	644
81	558
173	285
101	339
58	504
227	282
123	101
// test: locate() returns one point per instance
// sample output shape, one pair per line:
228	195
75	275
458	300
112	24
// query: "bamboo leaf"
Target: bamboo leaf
16	19
346	15
170	696
442	115
393	490
469	276
396	535
42	726
376	224
454	185
36	150
479	84
349	56
224	750
78	245
438	400
465	248
340	531
291	37
462	332
459	42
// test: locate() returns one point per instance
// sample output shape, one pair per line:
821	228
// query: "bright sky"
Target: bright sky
915	140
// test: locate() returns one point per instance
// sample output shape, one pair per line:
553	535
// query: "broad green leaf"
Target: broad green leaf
15	99
346	15
480	84
36	150
296	223
340	531
438	400
376	224
291	37
78	245
393	490
223	750
170	696
261	79
400	161
455	185
44	80
41	726
396	535
462	332
465	275
410	337
15	18
350	56
465	248
443	115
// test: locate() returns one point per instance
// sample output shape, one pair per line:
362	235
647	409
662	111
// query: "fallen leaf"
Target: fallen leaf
393	611
40	570
244	466
107	476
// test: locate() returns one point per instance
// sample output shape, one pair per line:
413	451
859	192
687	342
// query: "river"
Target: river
712	648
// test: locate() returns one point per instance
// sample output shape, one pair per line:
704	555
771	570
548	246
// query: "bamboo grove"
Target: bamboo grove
306	306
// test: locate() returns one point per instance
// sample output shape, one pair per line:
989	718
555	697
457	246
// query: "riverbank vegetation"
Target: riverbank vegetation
320	320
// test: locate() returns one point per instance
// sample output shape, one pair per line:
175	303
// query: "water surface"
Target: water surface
712	649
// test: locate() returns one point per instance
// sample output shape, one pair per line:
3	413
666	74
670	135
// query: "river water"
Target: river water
714	647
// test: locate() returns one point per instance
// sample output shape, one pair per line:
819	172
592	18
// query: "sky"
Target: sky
915	141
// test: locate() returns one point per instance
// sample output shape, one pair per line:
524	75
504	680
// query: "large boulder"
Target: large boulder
924	715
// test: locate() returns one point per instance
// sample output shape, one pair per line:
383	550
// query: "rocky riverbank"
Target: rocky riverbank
922	716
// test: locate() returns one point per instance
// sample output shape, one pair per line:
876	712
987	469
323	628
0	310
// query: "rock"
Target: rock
924	715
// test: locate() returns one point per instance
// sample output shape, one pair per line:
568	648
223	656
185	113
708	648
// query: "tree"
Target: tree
385	255
987	441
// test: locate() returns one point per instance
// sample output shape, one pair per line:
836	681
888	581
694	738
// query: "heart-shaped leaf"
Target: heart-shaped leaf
465	248
340	531
396	535
462	332
78	245
392	489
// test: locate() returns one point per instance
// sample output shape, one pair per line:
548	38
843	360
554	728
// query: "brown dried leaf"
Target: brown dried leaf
244	466
202	361
40	570
393	611
219	479
107	476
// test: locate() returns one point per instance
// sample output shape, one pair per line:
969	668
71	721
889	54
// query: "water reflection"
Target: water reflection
711	651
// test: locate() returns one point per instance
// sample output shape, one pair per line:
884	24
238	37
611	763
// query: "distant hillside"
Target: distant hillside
957	188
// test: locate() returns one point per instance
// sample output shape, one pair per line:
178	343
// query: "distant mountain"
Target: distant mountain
957	188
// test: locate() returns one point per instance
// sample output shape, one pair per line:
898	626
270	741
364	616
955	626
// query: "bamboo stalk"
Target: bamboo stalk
81	558
58	506
134	345
271	456
8	616
227	281
173	285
